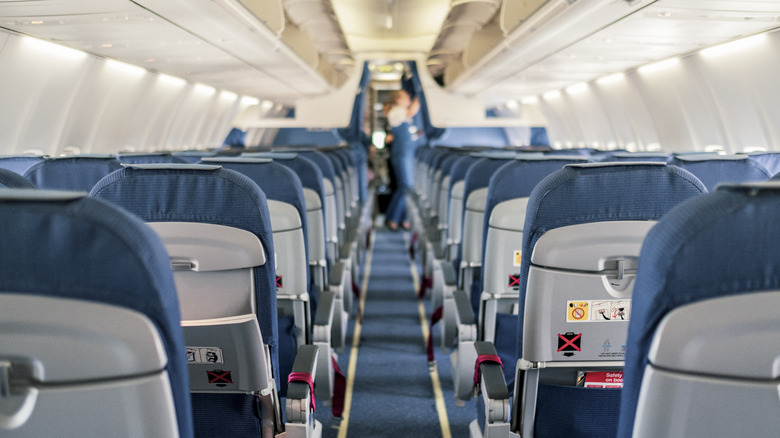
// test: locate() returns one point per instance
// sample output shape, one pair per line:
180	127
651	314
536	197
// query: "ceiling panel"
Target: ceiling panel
193	39
664	29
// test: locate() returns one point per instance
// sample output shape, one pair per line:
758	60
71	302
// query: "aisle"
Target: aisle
393	393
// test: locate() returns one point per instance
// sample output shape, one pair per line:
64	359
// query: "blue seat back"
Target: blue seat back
205	194
148	158
770	160
715	169
629	194
13	180
660	157
719	245
19	163
65	245
515	179
79	173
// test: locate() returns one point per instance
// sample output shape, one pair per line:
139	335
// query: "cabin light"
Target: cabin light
249	100
611	79
399	66
124	67
754	149
594	144
228	95
611	145
171	80
267	105
653	147
554	94
733	46
658	66
569	144
631	146
531	100
204	89
512	104
36	22
577	88
51	49
389	22
715	148
106	45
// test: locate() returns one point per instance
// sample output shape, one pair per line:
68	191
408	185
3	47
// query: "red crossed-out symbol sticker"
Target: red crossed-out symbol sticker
219	377
514	281
569	341
279	281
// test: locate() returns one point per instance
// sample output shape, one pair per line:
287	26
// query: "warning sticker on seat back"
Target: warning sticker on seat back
204	355
598	310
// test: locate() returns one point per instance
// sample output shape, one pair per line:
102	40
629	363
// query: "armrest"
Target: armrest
345	250
336	273
438	252
492	382
448	271
323	319
300	397
464	314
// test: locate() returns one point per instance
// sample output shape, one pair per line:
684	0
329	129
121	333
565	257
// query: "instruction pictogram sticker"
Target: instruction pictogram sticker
577	311
517	258
569	341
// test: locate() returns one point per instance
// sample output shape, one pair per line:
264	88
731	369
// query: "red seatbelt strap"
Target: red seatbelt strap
435	317
339	389
484	358
304	378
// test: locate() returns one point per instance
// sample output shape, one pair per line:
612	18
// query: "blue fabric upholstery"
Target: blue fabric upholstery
639	156
79	173
207	195
478	177
724	243
226	415
192	156
87	249
459	170
307	137
278	183
586	193
458	137
722	169
593	416
324	163
514	179
597	192
571	151
150	158
770	160
19	163
13	180
308	172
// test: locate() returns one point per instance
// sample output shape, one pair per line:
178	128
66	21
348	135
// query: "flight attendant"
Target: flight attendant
399	110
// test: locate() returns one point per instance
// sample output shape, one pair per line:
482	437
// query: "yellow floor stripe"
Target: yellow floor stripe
353	355
441	408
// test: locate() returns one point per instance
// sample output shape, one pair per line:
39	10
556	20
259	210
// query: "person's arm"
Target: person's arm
413	108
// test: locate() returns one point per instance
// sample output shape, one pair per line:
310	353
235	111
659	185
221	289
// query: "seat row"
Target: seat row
532	262
253	259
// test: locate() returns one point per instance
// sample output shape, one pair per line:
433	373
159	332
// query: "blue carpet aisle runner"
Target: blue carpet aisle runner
392	394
